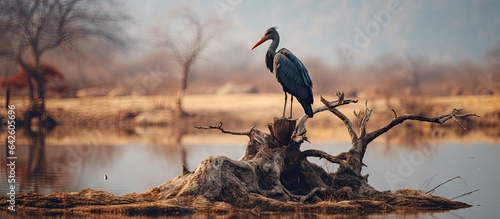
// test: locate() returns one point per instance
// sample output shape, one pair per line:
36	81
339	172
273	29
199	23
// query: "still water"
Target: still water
135	166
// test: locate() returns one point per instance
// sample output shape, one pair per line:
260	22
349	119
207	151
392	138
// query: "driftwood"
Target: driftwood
275	175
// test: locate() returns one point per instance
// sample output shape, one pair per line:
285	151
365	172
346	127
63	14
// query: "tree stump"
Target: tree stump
282	130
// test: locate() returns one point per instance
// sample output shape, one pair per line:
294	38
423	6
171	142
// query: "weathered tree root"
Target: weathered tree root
258	152
321	154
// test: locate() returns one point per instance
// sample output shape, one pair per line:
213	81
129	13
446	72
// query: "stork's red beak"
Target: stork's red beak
262	40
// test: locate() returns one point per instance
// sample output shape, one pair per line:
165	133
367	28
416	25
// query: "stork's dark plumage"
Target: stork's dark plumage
290	72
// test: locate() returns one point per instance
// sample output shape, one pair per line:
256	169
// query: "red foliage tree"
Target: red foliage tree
21	79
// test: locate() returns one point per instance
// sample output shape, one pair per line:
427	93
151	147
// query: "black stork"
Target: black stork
289	71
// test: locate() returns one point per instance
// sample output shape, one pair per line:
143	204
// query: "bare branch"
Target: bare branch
400	119
347	122
467	193
364	120
322	154
300	130
203	33
178	55
358	116
395	114
454	116
60	30
219	127
456	177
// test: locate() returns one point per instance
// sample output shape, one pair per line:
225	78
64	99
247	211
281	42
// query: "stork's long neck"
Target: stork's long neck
271	52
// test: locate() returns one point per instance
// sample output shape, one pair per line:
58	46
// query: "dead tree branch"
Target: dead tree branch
467	193
219	127
395	114
455	114
300	130
322	154
347	122
456	177
364	120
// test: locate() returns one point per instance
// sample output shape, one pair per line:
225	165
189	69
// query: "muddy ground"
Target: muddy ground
89	201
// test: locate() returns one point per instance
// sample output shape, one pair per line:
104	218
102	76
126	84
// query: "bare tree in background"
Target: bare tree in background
416	72
31	28
187	52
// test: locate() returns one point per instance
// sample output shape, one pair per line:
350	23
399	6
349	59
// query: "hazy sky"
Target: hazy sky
337	31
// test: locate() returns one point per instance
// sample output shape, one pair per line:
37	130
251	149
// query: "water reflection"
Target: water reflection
69	159
37	164
31	171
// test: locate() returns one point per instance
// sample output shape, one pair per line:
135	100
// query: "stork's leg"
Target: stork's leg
284	107
291	106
